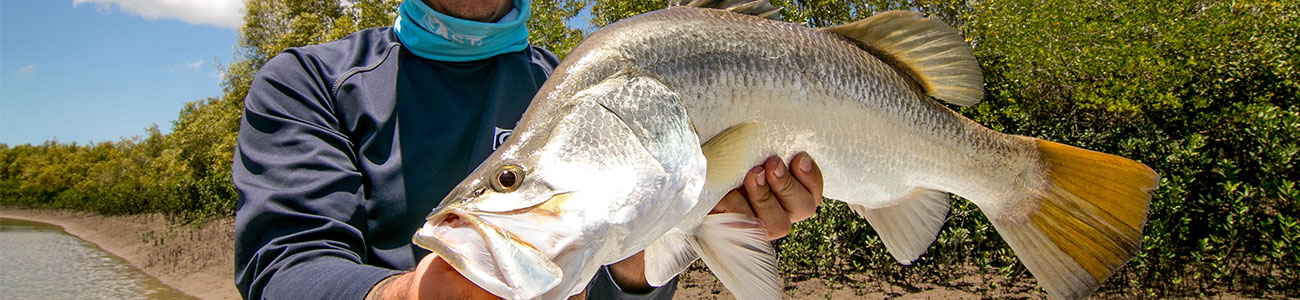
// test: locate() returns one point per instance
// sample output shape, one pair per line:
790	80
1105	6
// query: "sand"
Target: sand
194	259
698	283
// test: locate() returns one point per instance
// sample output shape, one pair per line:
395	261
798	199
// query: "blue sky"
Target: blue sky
101	70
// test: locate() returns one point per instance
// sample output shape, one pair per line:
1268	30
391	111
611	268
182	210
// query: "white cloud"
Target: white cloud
188	66
194	65
220	13
26	71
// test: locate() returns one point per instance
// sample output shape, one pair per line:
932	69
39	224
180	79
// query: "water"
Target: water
40	261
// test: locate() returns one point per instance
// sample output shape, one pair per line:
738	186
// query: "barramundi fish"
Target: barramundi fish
649	121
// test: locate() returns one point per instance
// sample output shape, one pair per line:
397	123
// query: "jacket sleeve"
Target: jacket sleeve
300	215
602	287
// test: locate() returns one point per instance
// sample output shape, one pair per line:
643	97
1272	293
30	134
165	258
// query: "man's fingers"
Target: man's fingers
579	296
810	176
797	202
767	207
436	279
733	202
776	194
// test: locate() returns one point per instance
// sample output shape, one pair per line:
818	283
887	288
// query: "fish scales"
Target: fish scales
649	121
730	68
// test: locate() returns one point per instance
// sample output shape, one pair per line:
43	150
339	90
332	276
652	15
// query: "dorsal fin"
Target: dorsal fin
761	8
928	50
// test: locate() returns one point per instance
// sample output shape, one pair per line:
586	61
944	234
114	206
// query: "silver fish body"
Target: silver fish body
608	162
872	130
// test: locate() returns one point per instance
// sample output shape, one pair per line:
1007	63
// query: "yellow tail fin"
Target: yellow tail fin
1087	223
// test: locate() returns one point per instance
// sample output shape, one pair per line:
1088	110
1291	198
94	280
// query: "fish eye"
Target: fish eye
507	178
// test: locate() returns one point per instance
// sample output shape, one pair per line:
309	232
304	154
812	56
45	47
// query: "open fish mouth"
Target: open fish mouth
493	258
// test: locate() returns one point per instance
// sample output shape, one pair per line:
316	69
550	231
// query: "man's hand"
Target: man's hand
769	193
433	278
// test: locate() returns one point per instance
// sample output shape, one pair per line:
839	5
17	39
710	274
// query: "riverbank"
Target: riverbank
198	260
195	259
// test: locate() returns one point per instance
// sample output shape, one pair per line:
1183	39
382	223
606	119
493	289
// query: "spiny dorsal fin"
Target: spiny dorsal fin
761	8
928	50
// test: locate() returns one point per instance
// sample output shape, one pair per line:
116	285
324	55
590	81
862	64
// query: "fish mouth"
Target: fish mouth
492	258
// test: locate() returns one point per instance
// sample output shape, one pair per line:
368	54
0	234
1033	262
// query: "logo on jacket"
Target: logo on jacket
500	137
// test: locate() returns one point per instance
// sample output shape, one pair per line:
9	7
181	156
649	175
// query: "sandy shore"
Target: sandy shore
197	259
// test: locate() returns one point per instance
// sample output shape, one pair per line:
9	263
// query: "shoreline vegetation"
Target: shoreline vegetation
1207	93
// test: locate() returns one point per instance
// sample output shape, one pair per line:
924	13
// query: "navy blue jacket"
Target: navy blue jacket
346	146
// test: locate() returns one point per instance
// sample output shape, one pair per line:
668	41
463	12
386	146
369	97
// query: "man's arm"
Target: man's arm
300	217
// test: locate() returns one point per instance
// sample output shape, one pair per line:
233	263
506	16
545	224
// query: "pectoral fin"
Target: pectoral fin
730	154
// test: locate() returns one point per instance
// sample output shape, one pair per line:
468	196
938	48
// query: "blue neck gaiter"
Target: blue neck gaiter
435	36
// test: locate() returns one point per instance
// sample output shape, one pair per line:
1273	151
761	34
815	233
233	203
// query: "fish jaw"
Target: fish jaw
489	256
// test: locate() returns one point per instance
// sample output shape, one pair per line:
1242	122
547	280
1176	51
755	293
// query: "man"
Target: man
345	146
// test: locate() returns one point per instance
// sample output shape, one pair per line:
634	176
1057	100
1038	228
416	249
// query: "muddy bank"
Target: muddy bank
198	260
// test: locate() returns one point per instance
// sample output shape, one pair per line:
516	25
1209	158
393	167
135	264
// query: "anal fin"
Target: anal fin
908	227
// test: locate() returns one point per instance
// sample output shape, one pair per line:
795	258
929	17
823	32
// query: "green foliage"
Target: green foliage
185	173
1205	92
271	26
547	28
108	177
605	12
